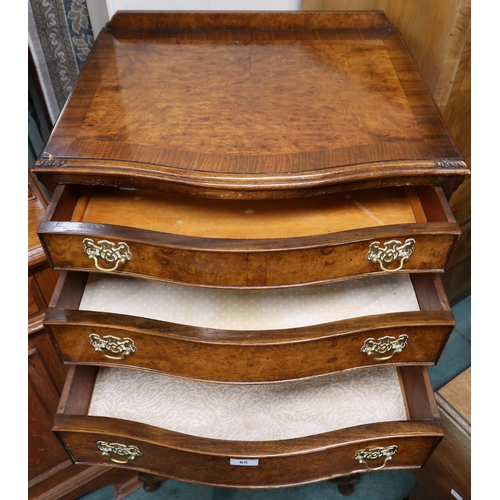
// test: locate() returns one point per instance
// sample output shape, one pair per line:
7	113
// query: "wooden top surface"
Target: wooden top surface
247	102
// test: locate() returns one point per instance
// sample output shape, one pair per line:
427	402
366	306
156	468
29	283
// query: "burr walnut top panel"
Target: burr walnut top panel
218	104
247	98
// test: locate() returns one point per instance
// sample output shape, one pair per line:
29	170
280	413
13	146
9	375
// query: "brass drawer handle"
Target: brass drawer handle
108	252
374	454
385	347
119	349
131	452
392	251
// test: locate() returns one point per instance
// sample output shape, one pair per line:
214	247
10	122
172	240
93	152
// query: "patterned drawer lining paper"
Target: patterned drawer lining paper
249	309
250	413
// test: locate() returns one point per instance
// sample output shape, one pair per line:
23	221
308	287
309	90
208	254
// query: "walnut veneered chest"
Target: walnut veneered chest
247	207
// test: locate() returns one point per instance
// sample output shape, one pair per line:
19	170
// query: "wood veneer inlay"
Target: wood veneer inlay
261	106
229	98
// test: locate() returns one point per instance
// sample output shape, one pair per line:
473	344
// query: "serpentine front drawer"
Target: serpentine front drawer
252	436
249	336
249	243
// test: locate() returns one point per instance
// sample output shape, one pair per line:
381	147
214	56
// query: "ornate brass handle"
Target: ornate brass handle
374	454
384	345
392	251
108	252
119	349
131	452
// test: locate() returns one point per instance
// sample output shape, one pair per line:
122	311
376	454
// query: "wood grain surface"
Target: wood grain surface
438	37
295	103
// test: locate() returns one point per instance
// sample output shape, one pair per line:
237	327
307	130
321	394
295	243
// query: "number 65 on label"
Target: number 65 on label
244	462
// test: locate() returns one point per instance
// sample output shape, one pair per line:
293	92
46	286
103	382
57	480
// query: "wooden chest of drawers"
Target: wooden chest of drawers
250	211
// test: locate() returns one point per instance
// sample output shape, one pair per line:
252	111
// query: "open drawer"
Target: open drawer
249	436
249	335
242	243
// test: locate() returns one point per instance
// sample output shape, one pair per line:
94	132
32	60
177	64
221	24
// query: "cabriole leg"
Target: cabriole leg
346	484
150	481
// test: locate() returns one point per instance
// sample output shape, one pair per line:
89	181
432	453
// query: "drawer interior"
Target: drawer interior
267	309
246	219
254	412
297	433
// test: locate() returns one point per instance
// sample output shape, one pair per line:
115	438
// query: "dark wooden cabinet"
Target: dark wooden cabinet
46	375
46	454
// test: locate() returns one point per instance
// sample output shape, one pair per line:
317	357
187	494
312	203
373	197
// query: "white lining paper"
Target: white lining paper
250	412
249	309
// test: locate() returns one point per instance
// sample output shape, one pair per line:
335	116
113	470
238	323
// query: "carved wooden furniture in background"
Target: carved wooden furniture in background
41	278
437	34
221	158
45	373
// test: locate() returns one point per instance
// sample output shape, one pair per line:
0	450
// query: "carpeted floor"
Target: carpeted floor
383	485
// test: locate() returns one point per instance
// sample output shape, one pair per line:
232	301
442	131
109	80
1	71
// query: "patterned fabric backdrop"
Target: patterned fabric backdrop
60	38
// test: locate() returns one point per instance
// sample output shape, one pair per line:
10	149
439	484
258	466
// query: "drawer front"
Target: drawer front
284	243
266	471
263	266
245	337
122	439
83	340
